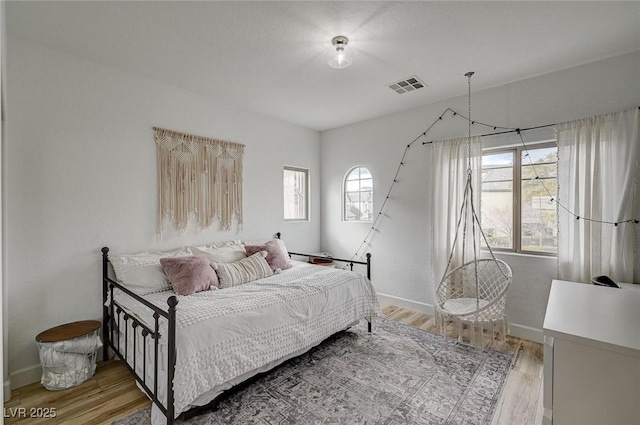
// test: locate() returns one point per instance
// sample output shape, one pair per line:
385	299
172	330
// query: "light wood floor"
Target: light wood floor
112	394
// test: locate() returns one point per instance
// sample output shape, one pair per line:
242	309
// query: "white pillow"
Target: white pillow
221	253
246	270
283	247
142	273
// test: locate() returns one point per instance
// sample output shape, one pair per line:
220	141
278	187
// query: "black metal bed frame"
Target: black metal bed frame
112	312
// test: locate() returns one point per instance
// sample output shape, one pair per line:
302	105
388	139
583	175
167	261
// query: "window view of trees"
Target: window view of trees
497	199
539	213
517	211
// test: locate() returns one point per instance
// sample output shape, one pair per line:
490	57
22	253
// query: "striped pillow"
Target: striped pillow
246	270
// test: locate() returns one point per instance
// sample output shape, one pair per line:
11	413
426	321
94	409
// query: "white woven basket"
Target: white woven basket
68	363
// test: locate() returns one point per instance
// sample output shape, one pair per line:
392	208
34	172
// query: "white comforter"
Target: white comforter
228	333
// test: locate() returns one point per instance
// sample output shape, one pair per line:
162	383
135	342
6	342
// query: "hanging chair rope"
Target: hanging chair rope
470	196
491	277
467	202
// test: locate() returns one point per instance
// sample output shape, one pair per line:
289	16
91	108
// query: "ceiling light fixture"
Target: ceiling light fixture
340	55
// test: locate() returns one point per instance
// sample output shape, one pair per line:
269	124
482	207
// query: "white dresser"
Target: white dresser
592	355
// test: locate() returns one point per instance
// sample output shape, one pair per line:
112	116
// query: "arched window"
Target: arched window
358	195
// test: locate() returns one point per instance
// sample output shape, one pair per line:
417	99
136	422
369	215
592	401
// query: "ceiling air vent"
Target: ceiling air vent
408	84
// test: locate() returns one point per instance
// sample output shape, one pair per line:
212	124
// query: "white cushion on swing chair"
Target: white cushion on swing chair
462	306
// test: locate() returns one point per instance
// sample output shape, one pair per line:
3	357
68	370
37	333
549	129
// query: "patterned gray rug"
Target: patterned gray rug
396	375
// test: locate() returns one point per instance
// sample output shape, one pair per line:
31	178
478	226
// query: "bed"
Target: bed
188	351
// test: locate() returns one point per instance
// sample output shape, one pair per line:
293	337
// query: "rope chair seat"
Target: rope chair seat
463	306
459	298
457	295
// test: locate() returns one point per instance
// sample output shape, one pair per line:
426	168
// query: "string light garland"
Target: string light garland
395	181
494	127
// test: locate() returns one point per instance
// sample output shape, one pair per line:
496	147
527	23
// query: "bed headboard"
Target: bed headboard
350	263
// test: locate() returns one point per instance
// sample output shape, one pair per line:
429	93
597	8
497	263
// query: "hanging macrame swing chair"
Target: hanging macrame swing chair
473	294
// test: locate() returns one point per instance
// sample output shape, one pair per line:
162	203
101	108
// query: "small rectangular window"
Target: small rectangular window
296	194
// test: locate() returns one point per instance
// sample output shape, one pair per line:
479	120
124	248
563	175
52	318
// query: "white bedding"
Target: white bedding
226	334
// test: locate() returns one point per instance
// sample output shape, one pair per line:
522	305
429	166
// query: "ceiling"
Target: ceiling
270	57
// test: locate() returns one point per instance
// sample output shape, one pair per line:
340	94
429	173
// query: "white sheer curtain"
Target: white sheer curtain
448	161
598	178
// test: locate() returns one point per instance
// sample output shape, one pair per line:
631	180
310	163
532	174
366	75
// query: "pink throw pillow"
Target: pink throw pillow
189	275
276	258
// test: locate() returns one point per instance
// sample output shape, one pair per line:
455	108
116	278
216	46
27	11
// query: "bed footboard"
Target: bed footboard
117	323
350	263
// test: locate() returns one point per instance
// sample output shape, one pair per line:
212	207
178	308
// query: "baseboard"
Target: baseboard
405	303
25	376
526	332
519	331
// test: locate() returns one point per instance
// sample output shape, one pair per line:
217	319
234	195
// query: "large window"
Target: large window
296	194
519	188
358	195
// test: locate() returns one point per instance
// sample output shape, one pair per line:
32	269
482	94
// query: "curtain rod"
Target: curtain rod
516	130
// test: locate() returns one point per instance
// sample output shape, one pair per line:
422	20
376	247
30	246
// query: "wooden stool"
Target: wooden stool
68	353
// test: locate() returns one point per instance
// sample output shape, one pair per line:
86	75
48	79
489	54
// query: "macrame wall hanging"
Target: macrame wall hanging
198	176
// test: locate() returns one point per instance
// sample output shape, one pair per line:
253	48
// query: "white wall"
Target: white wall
81	174
5	392
400	248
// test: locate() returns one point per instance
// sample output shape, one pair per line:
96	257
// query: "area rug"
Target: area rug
396	375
